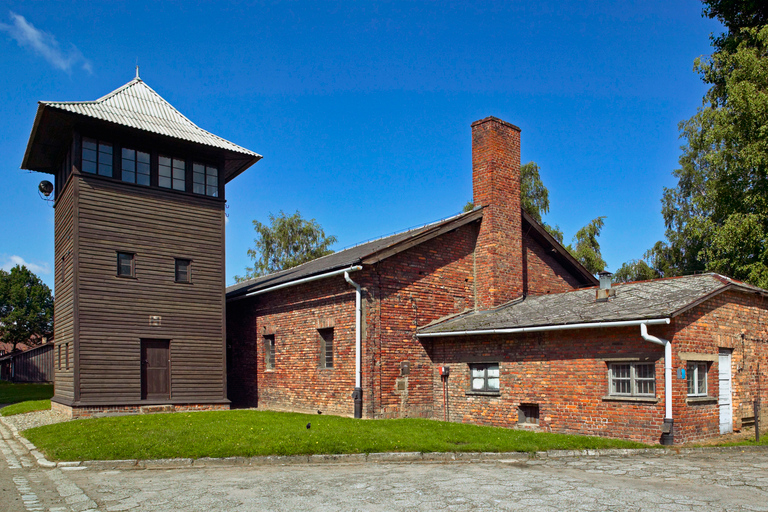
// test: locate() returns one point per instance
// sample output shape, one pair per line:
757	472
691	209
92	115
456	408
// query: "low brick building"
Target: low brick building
485	318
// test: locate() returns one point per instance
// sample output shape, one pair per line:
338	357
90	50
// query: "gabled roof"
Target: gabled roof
566	259
372	252
136	105
366	253
641	300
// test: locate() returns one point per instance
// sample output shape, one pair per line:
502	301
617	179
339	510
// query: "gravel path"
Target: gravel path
35	419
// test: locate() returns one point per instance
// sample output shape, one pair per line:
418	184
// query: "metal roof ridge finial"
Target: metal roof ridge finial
137	69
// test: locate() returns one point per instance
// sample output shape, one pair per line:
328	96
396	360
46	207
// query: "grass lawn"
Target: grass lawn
251	433
22	407
11	393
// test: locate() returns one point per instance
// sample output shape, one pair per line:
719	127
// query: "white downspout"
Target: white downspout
667	368
358	393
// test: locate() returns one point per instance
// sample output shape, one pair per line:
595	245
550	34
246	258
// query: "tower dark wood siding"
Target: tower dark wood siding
157	226
63	307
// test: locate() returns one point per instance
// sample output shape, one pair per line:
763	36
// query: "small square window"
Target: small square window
135	166
126	264
269	351
484	377
205	180
96	157
697	379
528	414
171	173
326	347
183	271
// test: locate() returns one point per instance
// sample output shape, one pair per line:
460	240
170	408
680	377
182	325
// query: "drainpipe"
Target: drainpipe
667	436
358	393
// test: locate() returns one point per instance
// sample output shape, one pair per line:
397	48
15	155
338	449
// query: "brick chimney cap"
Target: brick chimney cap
497	120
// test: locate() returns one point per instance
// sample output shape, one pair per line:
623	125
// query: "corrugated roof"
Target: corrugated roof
136	105
348	257
660	298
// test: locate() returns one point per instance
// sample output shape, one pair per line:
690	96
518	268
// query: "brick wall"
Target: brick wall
496	186
543	273
293	316
415	288
732	320
565	373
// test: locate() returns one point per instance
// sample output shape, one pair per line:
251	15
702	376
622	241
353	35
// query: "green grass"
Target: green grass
251	433
24	407
11	393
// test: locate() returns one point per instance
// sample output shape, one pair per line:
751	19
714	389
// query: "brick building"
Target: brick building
485	318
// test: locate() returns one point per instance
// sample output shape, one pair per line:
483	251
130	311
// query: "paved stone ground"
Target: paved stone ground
731	480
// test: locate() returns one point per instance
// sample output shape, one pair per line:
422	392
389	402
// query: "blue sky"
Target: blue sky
362	110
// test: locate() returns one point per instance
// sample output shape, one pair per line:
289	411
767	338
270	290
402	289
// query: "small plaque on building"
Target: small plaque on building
155	320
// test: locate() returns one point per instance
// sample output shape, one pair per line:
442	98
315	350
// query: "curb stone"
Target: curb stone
361	458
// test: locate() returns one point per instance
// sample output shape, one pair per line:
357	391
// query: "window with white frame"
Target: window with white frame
632	379
484	377
697	379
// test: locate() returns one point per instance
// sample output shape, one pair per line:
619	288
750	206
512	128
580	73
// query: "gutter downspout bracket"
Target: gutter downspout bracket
667	436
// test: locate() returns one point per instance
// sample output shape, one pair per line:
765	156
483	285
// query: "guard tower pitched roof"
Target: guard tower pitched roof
134	105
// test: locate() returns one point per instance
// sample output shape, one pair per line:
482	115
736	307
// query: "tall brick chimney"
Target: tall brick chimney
496	186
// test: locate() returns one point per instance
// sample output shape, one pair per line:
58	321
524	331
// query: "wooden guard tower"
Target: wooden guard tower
139	207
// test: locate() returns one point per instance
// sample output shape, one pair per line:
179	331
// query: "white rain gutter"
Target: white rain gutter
514	330
300	281
667	368
358	394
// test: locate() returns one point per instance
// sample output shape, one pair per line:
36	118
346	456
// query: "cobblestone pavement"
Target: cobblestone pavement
731	480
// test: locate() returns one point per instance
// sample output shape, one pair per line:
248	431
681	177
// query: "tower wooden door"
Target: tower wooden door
155	369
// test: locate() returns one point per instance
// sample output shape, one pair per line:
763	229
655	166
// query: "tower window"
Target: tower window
205	180
126	264
97	157
171	173
183	268
135	167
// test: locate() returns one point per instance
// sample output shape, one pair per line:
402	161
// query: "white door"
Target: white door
726	411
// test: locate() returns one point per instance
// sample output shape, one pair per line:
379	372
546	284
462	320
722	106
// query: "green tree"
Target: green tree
288	241
717	216
586	248
26	306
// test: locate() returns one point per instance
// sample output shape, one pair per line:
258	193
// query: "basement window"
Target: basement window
632	379
528	414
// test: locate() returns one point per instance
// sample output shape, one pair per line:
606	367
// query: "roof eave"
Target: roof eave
25	163
422	237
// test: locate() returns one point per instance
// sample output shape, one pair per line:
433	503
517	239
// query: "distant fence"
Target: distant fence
33	365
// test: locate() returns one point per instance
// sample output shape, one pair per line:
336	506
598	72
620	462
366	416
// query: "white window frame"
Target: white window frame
633	379
694	370
486	388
